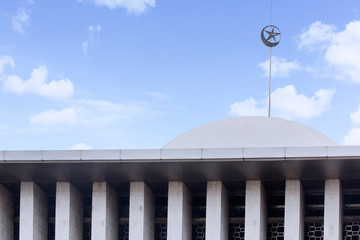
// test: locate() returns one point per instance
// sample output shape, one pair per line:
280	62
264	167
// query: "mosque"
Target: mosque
252	178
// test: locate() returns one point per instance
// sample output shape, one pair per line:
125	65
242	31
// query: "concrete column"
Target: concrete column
217	211
6	214
68	212
104	215
179	222
294	210
255	211
142	212
33	212
333	210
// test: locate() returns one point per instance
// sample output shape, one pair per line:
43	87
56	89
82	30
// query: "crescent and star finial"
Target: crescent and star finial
273	35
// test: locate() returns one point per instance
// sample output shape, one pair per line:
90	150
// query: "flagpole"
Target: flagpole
269	112
271	40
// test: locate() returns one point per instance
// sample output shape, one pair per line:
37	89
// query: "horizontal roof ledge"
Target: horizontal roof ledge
190	154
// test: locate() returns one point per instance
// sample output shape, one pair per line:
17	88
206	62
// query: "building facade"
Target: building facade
246	178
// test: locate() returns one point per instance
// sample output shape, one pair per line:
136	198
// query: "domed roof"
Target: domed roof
250	132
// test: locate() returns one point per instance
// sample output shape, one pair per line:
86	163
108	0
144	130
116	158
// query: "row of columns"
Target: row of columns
104	225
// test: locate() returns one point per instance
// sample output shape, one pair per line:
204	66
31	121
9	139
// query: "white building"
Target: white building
250	178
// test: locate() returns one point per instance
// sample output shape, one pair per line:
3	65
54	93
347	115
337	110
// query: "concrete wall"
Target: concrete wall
142	212
179	222
217	211
333	210
6	214
33	212
68	212
104	215
294	210
255	211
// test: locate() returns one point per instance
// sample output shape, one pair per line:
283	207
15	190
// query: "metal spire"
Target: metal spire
273	38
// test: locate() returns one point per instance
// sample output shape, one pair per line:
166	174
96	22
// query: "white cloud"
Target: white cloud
248	107
94	36
280	67
85	113
316	36
96	28
4	61
106	105
20	19
287	103
80	146
344	53
132	6
157	95
353	137
66	116
38	84
94	33
341	48
355	117
92	112
85	46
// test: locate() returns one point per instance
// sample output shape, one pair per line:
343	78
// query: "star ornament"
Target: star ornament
273	35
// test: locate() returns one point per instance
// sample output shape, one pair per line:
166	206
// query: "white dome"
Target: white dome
250	132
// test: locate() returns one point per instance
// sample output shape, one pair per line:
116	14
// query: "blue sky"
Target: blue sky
107	74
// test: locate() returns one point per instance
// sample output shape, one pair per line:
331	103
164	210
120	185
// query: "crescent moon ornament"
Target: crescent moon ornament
271	35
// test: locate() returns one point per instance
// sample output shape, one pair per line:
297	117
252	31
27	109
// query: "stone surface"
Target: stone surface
179	220
69	212
104	216
217	211
333	210
142	212
33	212
255	211
294	210
6	214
